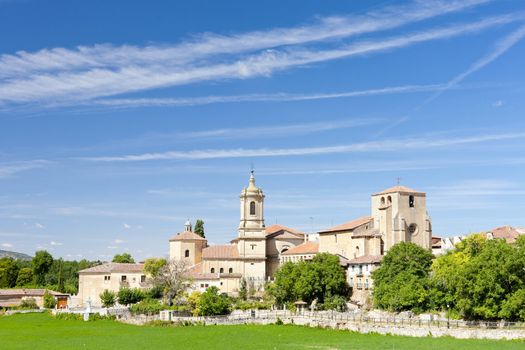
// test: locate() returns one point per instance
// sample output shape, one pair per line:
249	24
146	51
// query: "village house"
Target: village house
109	276
10	298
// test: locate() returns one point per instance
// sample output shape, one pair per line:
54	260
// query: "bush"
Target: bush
147	306
108	298
127	296
28	304
154	292
212	303
336	302
49	300
80	317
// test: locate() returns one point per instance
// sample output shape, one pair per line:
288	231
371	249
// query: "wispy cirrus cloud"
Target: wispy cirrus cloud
67	81
373	146
275	97
499	49
208	44
12	168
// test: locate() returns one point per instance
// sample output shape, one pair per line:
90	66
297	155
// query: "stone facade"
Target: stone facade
398	214
254	254
111	276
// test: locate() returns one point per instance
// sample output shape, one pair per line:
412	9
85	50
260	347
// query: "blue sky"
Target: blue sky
119	120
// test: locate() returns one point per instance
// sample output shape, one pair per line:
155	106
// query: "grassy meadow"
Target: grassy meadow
42	331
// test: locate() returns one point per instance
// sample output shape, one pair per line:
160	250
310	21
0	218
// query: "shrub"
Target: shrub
28	304
147	306
127	296
336	302
49	300
212	303
108	298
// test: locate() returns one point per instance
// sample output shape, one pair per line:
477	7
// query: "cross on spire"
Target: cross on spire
398	179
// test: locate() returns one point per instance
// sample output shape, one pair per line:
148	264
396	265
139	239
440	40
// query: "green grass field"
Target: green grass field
41	331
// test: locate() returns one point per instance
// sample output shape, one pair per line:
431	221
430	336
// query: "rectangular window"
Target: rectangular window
123	278
142	279
107	278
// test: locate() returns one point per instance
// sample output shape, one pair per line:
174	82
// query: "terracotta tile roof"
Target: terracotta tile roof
509	233
114	267
227	251
305	248
187	236
27	292
278	228
367	259
195	272
348	226
398	188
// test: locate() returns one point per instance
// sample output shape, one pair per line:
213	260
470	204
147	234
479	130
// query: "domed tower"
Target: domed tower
187	245
252	237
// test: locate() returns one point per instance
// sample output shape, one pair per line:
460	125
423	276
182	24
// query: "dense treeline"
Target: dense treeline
480	279
42	272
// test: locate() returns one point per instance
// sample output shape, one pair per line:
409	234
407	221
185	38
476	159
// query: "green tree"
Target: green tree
212	303
25	277
243	292
199	228
49	300
127	296
42	262
108	298
402	281
322	278
153	266
8	272
125	258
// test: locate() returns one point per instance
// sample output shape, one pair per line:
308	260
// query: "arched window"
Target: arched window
411	201
252	208
389	200
187	253
382	200
212	270
230	270
221	270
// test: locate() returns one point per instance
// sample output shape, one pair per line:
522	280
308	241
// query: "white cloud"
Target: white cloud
10	169
39	225
329	28
500	48
7	245
372	146
53	243
119	241
74	86
277	97
126	226
112	247
498	103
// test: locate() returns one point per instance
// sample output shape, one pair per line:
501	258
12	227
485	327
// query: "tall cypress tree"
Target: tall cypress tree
199	228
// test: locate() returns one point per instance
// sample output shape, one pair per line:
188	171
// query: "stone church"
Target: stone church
254	254
398	214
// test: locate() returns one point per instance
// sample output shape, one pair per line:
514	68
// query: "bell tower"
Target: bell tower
252	236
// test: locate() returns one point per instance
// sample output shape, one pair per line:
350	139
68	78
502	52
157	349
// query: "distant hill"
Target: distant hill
14	255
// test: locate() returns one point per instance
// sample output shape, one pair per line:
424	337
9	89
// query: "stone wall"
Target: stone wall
416	327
